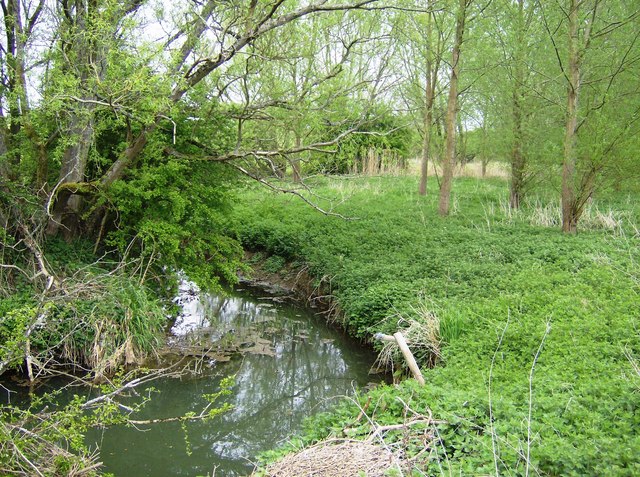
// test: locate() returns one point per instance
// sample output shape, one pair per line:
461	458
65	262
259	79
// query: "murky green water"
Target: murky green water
295	367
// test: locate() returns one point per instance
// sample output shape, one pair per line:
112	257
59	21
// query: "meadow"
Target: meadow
528	338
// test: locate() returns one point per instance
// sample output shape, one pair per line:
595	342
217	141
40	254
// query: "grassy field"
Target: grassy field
538	332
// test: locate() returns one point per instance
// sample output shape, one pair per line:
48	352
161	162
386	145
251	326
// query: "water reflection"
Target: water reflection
294	367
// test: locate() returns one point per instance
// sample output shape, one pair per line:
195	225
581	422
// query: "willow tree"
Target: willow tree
306	88
21	20
138	144
449	159
522	24
596	45
132	141
517	86
107	98
433	59
241	25
87	31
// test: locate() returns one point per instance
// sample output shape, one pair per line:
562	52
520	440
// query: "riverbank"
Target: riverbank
538	330
289	281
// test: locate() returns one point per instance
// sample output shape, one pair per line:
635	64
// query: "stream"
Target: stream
290	365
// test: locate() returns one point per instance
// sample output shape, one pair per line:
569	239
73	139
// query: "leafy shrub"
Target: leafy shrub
177	211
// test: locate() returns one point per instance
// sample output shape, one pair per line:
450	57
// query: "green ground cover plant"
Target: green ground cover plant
539	330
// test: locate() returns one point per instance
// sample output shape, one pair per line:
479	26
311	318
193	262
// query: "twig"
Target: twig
31	244
24	457
289	191
129	386
531	372
493	361
14	267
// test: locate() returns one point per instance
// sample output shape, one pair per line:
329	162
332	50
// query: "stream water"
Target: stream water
291	365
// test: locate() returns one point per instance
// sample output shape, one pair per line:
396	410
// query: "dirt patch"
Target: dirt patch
336	459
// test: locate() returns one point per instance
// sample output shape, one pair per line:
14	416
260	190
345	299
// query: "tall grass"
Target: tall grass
112	321
540	213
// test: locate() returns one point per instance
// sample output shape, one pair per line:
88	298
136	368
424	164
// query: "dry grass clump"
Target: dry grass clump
423	338
593	218
474	169
470	169
549	214
336	459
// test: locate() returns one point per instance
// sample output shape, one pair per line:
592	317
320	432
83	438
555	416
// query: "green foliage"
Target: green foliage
175	211
274	264
17	316
386	135
49	432
49	429
119	322
100	316
484	275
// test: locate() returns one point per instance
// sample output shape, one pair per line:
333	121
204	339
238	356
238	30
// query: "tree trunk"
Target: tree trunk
88	54
16	80
6	172
12	21
295	162
517	156
19	21
426	142
129	156
461	148
448	163
483	156
569	211
42	165
429	97
74	162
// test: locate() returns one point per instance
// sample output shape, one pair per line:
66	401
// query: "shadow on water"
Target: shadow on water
292	366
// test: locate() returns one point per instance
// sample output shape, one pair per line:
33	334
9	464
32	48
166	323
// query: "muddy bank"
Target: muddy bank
291	282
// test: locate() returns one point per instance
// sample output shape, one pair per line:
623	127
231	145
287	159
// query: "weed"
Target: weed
274	264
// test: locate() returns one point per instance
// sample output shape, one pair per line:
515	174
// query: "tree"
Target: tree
452	108
112	108
595	58
318	78
518	160
85	29
432	66
138	148
20	21
516	102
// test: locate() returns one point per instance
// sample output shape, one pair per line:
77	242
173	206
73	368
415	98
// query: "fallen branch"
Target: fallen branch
171	371
396	427
33	247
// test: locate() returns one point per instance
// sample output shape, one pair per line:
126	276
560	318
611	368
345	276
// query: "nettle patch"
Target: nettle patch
537	331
